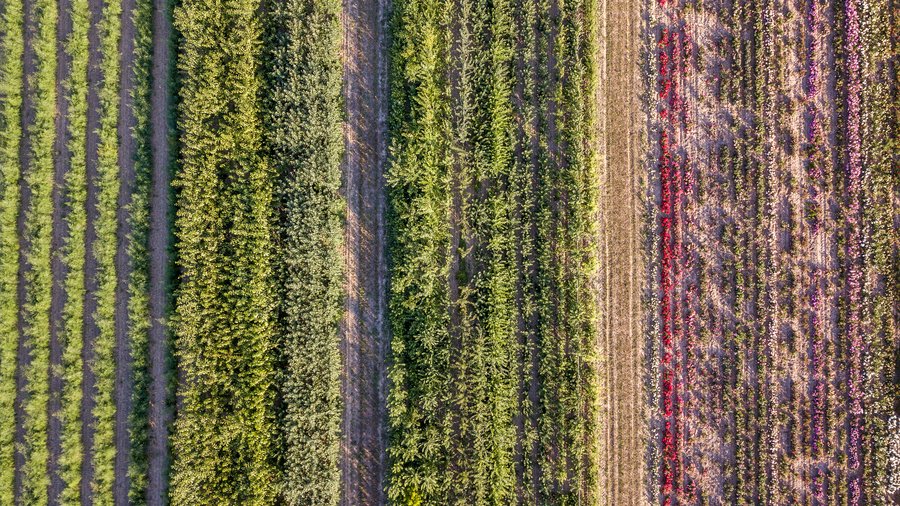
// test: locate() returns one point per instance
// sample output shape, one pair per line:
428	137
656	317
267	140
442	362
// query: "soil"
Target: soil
620	348
90	263
364	337
160	412
124	379
23	353
60	231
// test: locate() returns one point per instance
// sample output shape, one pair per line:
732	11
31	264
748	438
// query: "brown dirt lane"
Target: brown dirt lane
23	353
58	269
364	337
124	379
620	334
160	412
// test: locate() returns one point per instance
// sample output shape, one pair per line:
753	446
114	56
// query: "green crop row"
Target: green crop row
222	443
71	331
418	188
11	49
38	177
138	252
305	146
483	314
492	198
103	363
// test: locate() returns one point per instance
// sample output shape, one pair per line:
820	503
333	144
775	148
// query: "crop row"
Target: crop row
11	49
222	441
305	146
70	334
139	255
491	191
773	263
36	210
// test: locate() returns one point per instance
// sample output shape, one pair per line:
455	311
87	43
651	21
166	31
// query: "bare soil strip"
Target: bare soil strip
90	263
23	356
60	230
364	333
622	452
124	379
160	413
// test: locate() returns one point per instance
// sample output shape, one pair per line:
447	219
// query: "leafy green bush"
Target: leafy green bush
222	443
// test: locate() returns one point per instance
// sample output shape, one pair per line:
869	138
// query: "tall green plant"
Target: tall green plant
419	217
138	252
103	250
223	436
71	332
305	142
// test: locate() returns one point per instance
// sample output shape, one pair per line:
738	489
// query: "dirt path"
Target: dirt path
90	262
160	414
364	333
621	458
124	379
60	231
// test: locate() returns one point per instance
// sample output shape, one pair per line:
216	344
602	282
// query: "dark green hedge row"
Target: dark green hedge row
305	145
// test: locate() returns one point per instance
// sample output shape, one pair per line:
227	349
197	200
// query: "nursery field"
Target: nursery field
772	252
449	252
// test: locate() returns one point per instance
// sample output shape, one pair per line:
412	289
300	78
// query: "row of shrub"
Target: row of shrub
222	441
304	144
259	228
70	333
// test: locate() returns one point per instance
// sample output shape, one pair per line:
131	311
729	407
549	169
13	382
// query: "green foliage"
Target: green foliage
71	331
492	253
107	183
11	49
38	176
305	141
138	252
418	180
223	436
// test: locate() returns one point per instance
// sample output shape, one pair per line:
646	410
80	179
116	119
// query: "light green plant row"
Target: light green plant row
496	305
485	373
11	49
579	192
104	250
467	82
223	441
527	291
305	144
418	181
38	176
75	190
566	259
138	252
